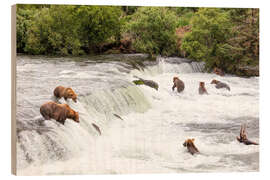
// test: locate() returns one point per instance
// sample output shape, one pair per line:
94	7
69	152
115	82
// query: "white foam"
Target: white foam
150	138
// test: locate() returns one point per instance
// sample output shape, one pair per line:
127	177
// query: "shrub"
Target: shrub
207	41
98	24
153	30
54	31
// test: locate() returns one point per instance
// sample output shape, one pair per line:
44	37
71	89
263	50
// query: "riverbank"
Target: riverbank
229	41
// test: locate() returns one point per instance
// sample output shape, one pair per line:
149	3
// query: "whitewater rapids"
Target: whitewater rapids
155	123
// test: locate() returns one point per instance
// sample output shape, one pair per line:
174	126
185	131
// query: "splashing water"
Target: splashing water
142	130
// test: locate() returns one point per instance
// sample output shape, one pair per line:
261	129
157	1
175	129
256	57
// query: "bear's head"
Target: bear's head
202	84
218	71
69	93
214	81
72	114
174	78
76	117
188	142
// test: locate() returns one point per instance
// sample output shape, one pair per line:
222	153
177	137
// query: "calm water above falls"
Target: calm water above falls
155	123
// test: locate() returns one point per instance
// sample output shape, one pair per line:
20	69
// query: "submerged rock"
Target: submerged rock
116	115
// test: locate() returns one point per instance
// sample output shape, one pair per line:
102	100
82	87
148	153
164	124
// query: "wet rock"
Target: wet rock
149	83
247	71
118	117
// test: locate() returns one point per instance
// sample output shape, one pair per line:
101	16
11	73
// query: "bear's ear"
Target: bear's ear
192	139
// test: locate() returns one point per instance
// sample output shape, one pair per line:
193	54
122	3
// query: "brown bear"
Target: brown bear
59	112
189	143
202	89
243	137
179	84
218	71
220	84
61	91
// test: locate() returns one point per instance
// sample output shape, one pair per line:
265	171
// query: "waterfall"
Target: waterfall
42	141
136	122
180	65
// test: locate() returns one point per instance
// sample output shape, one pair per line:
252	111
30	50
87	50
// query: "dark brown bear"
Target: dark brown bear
61	91
59	112
220	85
218	71
179	84
202	89
243	137
189	143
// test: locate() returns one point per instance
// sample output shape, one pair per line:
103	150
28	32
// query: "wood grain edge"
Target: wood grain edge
13	92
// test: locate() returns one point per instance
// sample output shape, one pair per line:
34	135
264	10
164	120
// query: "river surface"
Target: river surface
154	124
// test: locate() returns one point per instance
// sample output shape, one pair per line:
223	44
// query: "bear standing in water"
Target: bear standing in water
59	112
61	91
220	84
202	89
179	84
189	143
243	137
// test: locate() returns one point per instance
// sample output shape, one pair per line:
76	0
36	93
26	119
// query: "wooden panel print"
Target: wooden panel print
126	89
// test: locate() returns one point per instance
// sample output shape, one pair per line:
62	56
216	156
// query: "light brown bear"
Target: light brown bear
59	112
61	91
202	89
189	143
179	84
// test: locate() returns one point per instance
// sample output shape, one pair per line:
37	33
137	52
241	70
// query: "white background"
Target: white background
5	85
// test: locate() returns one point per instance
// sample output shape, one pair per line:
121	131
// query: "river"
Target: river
155	123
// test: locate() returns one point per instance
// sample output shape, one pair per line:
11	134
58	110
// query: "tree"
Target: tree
153	30
98	24
23	21
54	30
246	35
224	38
207	40
67	29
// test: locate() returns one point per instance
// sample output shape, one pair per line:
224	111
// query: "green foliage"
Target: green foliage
184	10
184	14
227	38
138	82
98	24
246	35
207	40
54	31
184	20
153	30
224	38
66	29
23	22
129	9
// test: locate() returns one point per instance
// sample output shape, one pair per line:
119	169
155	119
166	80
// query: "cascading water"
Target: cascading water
142	129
